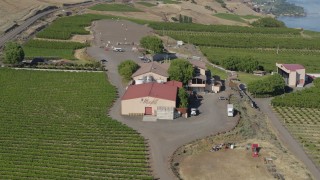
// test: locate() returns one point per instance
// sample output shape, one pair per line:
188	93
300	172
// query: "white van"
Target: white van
230	110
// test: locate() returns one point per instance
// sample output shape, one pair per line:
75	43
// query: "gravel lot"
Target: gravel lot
164	137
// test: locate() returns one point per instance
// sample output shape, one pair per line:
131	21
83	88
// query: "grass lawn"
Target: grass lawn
54	126
146	4
114	7
246	78
217	72
231	17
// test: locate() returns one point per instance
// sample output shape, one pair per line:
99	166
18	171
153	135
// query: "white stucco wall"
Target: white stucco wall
138	105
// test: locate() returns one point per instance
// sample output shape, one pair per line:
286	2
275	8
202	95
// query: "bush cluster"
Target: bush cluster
127	68
245	64
269	86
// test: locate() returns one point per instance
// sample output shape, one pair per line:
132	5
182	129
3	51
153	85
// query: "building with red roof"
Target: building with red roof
293	74
144	99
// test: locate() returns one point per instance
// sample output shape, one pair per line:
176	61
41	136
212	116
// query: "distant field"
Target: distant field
171	2
231	17
54	126
146	4
267	58
51	49
114	7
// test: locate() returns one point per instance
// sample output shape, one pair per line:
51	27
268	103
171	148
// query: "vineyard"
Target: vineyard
54	126
220	28
52	49
266	45
266	57
304	125
307	98
65	27
244	40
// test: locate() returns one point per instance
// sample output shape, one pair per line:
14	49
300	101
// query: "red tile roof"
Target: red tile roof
174	83
156	90
293	67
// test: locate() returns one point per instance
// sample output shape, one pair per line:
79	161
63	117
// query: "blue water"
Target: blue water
309	22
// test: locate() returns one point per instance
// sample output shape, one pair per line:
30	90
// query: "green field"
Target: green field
171	2
217	72
231	17
114	7
51	49
245	40
54	126
146	4
266	45
247	78
267	57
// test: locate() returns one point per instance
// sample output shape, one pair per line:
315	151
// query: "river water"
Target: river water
309	22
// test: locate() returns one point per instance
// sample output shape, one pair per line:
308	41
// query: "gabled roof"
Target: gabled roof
198	64
177	84
154	67
156	90
293	67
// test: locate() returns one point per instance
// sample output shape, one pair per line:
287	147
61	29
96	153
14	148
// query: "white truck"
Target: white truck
230	110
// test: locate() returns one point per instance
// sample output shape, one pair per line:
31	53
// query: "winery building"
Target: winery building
145	99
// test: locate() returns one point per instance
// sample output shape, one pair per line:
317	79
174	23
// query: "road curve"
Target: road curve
9	36
286	138
13	33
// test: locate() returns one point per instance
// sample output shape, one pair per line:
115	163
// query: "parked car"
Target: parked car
194	112
223	98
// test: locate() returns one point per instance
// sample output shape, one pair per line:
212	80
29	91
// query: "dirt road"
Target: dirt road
286	138
163	137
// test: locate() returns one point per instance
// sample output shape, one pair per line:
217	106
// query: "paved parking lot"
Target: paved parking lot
164	137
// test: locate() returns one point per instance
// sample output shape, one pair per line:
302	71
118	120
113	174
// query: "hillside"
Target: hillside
15	11
12	11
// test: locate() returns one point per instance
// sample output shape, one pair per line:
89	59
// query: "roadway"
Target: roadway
9	36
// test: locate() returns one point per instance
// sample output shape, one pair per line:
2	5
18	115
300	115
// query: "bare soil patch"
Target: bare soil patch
238	163
195	161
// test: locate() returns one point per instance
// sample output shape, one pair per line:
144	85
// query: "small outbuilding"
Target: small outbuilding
294	74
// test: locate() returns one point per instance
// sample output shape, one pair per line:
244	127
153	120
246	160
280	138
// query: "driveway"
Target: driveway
163	137
286	138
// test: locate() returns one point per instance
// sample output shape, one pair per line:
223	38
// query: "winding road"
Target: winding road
9	36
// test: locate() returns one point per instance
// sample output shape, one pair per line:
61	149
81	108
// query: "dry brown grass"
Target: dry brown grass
15	11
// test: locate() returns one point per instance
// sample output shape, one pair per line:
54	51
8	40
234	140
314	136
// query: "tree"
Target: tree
13	53
269	86
180	18
181	70
152	43
183	98
127	68
268	22
245	64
